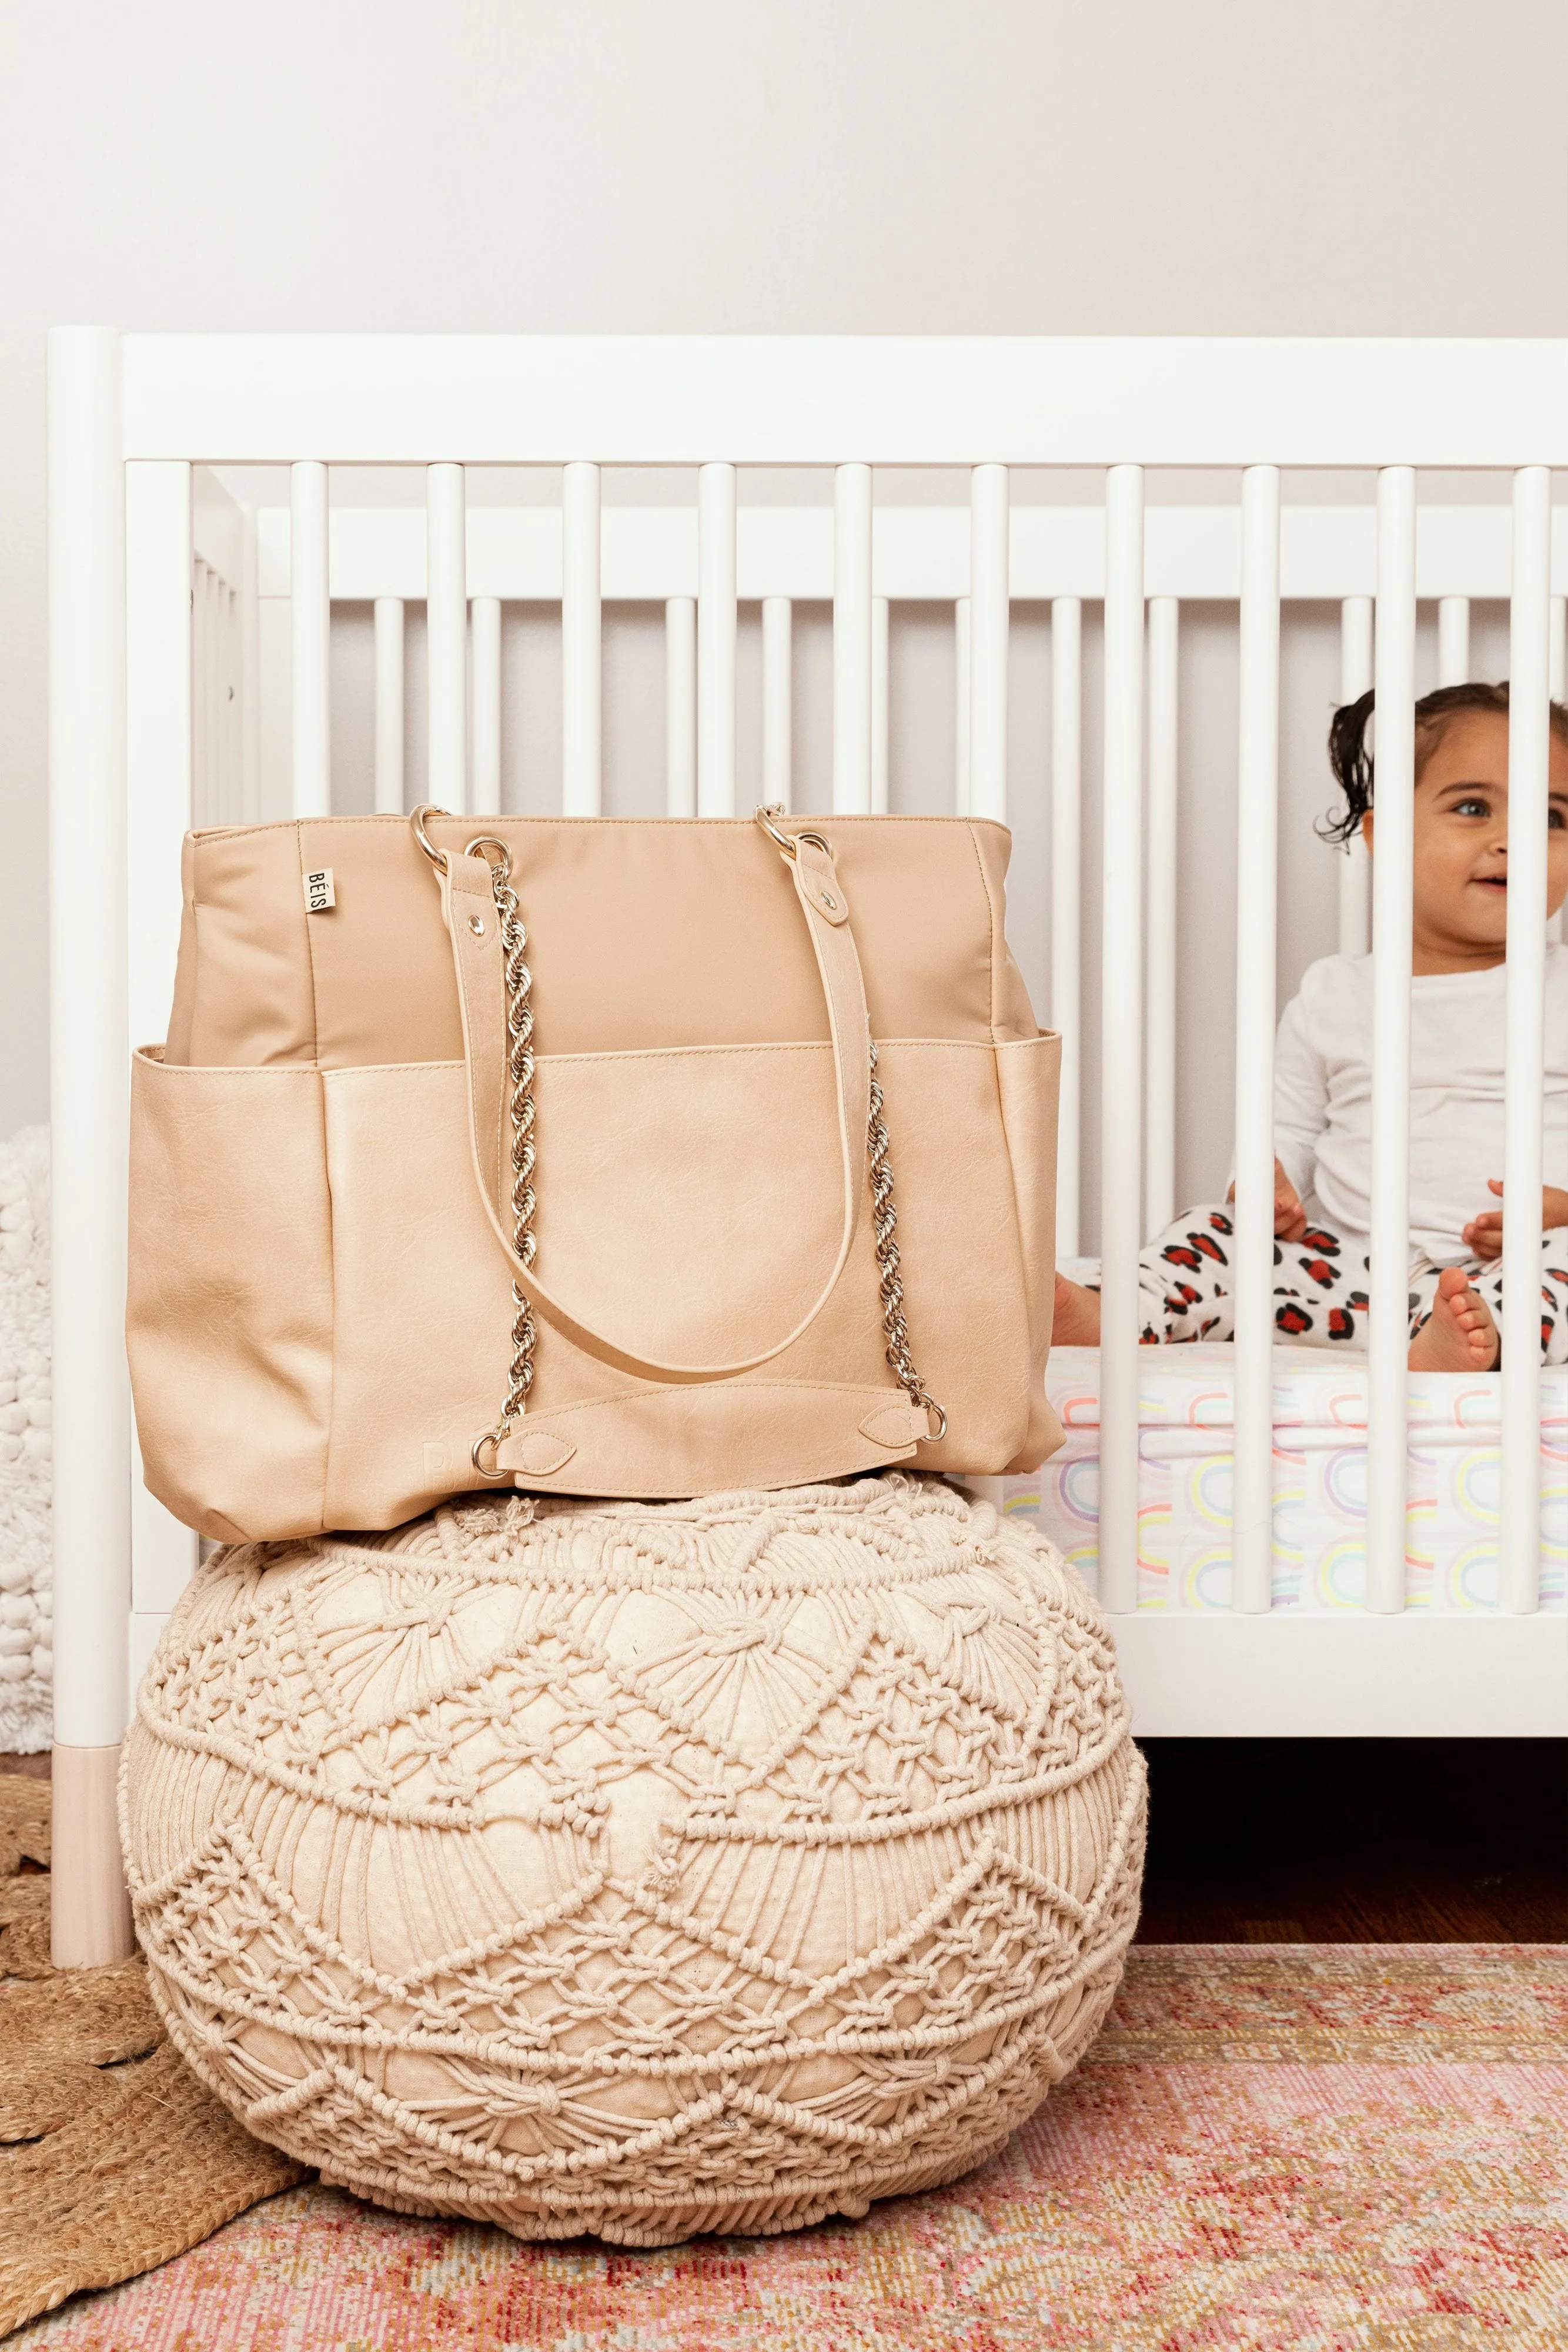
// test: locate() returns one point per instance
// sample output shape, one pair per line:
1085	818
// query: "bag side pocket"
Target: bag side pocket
1028	1075
229	1294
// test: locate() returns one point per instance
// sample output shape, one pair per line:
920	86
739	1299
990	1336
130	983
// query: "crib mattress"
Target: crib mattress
1186	1413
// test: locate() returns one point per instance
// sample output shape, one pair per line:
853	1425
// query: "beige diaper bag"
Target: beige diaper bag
644	1159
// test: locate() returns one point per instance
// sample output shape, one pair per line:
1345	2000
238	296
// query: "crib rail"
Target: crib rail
1255	555
155	699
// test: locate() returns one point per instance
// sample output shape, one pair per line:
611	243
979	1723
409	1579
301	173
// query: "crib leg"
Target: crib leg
90	1112
90	1912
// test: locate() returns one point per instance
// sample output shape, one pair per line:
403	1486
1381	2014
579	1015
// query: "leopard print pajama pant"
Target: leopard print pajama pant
1321	1285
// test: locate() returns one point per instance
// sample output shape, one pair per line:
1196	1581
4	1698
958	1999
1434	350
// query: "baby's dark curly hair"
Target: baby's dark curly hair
1352	762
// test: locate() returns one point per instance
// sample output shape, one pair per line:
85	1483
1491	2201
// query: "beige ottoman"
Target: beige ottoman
638	1870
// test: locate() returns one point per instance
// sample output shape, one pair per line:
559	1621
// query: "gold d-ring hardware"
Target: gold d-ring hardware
482	844
436	857
787	841
491	1439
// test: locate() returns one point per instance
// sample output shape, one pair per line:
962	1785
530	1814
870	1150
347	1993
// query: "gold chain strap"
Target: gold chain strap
885	1217
519	985
884	1222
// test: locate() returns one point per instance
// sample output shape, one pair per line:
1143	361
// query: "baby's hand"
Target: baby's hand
1290	1217
1483	1234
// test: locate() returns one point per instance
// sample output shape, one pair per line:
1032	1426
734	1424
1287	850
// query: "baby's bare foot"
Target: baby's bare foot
1459	1335
1077	1323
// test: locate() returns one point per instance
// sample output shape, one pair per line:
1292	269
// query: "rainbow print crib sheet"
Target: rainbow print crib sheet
1185	1416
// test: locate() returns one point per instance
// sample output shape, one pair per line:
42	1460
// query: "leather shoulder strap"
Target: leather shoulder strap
468	909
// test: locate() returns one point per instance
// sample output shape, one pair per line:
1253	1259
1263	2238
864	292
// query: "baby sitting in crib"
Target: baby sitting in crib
1322	1085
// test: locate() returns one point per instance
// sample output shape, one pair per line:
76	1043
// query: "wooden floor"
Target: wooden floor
1357	1841
1343	1841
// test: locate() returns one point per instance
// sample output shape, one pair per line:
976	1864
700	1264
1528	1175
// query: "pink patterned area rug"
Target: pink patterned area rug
1291	2148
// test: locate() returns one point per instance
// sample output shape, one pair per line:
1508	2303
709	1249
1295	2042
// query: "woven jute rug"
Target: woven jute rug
1279	2148
113	2157
23	1882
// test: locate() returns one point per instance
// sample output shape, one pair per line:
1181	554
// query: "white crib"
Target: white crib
178	662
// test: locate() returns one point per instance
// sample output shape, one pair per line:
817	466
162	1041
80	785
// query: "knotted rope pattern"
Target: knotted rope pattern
638	1869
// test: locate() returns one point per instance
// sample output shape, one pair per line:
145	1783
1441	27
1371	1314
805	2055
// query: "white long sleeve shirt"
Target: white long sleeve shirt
1322	1095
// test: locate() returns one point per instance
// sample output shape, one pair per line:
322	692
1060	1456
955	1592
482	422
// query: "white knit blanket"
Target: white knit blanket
25	1444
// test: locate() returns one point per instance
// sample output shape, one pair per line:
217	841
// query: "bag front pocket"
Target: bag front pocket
689	1202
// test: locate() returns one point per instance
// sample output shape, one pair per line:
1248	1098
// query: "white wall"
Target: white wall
881	166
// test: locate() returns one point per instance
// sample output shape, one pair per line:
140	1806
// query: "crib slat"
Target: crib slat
778	700
1529	752
581	691
204	806
173	657
248	621
1120	1074
1066	899
446	634
851	640
961	676
879	704
484	663
165	625
990	612
715	640
91	565
167	701
310	631
390	644
1558	681
681	706
1354	873
1388	1336
1160	939
215	669
1256	854
228	689
212	688
1453	640
207	798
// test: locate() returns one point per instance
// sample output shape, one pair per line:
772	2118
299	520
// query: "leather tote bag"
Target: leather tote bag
640	1159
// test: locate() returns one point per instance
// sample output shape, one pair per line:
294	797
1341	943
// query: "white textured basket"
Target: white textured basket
641	1870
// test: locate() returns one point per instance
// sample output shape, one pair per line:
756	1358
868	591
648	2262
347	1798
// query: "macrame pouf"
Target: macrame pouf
638	1869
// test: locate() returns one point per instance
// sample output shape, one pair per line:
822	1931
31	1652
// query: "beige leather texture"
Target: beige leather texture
321	1296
